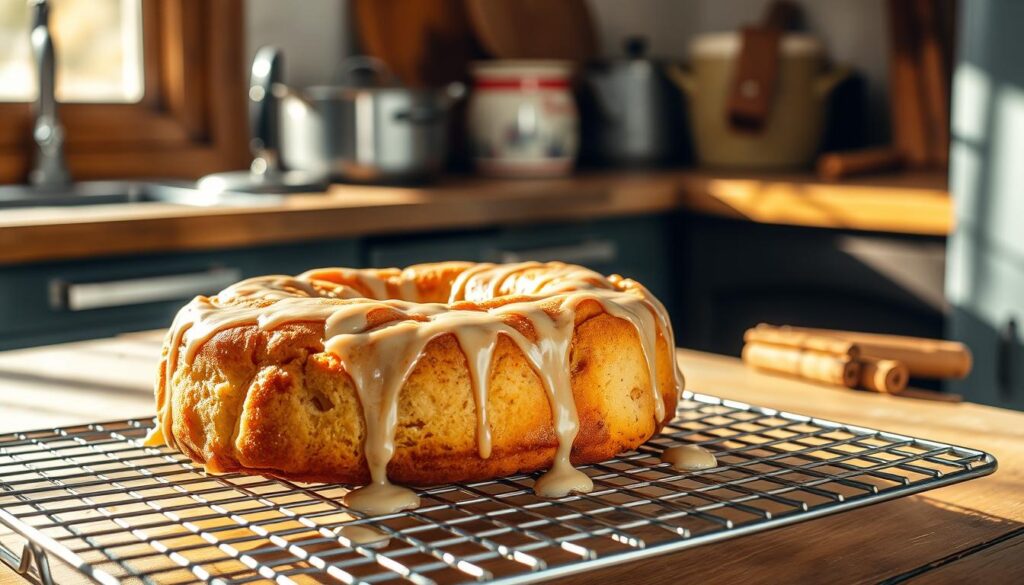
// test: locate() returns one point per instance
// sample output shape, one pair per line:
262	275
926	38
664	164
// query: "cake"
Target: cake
437	373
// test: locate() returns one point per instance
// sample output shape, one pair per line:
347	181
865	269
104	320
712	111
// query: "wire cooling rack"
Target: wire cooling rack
91	499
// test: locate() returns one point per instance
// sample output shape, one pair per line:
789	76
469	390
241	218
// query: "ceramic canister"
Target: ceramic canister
523	119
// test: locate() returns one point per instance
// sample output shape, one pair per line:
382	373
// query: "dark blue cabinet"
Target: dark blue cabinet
64	301
635	247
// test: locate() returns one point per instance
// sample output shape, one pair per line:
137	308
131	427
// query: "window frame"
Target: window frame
191	120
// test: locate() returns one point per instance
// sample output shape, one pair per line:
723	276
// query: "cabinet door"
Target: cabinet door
637	248
63	301
634	247
737	274
402	251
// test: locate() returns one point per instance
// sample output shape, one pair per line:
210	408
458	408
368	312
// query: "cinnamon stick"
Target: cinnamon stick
812	365
887	376
802	340
924	358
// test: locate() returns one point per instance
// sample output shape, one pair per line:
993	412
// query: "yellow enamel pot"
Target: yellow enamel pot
793	130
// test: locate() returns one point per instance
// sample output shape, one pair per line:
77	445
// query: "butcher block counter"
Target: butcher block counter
907	203
969	532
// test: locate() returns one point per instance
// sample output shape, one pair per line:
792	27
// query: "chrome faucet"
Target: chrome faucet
49	169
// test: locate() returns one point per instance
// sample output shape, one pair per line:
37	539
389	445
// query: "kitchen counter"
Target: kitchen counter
912	203
967	532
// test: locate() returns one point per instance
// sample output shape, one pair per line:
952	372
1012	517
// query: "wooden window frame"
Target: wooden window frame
190	121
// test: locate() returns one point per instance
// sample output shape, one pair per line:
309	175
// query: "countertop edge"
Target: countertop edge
916	204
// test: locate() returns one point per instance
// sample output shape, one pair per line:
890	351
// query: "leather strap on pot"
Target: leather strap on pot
757	68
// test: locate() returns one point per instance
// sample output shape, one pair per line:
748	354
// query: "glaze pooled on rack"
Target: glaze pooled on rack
378	324
689	458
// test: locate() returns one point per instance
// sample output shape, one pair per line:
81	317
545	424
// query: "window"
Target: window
147	88
98	44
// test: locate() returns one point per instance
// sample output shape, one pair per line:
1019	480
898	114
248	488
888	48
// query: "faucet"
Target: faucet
49	169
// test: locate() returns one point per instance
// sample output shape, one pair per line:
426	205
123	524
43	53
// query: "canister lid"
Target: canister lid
727	44
522	68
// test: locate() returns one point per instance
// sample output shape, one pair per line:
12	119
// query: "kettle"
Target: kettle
631	110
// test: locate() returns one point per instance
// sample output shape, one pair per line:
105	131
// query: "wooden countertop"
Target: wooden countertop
967	532
902	203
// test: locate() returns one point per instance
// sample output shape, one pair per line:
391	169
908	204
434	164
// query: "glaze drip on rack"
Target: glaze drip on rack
380	356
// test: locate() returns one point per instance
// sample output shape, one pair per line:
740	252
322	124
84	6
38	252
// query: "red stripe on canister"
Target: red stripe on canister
521	83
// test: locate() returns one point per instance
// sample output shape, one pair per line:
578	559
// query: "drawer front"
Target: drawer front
55	302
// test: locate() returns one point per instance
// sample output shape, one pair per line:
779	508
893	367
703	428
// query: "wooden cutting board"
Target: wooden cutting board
425	42
534	29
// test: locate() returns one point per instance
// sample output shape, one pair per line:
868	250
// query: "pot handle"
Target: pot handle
428	114
682	77
264	141
419	115
826	82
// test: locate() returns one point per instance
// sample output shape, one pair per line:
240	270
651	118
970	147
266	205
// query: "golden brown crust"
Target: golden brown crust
274	402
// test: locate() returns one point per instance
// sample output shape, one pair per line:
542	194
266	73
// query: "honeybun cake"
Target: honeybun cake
433	374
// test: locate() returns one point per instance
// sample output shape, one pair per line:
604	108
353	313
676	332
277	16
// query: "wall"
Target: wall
854	33
316	37
985	275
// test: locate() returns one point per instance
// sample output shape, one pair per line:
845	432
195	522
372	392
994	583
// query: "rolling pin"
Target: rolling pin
817	366
833	166
887	376
924	358
802	340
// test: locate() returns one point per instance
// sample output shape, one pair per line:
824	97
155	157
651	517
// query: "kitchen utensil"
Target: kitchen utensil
925	358
910	133
792	132
534	29
634	117
934	58
523	119
919	80
92	499
267	173
833	166
426	43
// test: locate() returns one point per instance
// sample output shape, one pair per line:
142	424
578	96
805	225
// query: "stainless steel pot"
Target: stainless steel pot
377	132
631	116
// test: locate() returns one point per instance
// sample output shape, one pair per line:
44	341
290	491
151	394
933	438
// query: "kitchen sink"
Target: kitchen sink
105	192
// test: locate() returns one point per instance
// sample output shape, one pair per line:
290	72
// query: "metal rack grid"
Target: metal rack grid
92	498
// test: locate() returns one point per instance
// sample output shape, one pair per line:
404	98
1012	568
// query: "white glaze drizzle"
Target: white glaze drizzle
380	359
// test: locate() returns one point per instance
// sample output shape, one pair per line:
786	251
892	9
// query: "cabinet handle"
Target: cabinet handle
1004	359
588	252
83	296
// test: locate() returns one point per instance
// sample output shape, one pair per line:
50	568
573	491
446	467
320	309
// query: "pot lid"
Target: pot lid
727	44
